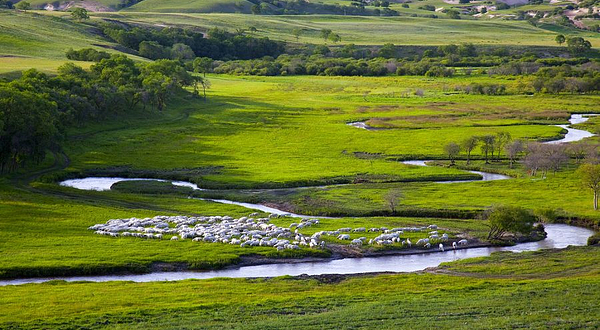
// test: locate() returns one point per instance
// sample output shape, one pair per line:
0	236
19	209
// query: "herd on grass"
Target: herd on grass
256	231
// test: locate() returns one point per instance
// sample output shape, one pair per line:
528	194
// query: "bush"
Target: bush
594	239
86	54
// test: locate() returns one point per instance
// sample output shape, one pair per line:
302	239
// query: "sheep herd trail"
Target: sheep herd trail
559	236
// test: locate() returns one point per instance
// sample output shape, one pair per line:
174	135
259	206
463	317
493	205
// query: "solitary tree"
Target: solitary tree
80	14
325	33
509	219
560	39
23	5
255	9
335	37
452	149
502	138
469	145
578	45
392	199
590	176
297	33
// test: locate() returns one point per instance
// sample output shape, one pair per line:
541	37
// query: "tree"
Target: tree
335	37
203	64
325	33
509	219
255	9
199	81
297	33
153	50
452	149
560	39
590	177
23	5
392	199
488	146
578	45
387	51
469	145
513	150
453	14
80	14
181	51
502	138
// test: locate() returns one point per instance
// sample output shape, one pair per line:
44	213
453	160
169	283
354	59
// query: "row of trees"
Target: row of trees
35	108
537	157
176	43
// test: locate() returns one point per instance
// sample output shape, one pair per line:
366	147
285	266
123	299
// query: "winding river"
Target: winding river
559	236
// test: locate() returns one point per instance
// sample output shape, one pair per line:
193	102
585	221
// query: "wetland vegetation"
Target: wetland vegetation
251	101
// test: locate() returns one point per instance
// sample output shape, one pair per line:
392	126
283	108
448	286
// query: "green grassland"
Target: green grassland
290	131
480	293
365	30
196	6
29	40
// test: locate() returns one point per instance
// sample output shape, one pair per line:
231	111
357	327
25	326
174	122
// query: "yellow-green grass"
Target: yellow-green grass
561	297
196	6
44	232
366	30
292	130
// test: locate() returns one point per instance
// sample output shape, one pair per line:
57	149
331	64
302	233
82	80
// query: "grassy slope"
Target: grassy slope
195	6
250	127
561	298
28	40
368	30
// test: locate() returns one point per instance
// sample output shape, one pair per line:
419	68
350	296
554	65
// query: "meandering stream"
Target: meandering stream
559	236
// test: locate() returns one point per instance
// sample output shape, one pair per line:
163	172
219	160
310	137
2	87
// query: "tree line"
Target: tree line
537	158
36	108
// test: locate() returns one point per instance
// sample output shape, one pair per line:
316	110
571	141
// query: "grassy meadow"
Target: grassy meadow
285	141
501	291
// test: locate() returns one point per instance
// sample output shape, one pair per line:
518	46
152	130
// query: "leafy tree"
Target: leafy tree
255	9
297	33
80	14
28	127
452	149
202	64
509	219
502	139
153	50
387	51
578	45
181	51
469	145
590	177
23	5
322	50
560	39
335	37
325	33
453	14
487	147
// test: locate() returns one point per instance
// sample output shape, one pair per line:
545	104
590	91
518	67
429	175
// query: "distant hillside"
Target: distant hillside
193	6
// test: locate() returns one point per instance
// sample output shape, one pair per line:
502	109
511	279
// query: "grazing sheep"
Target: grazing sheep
357	242
427	246
441	247
344	237
454	245
463	242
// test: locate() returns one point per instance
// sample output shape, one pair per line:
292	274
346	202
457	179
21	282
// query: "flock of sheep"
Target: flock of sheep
255	231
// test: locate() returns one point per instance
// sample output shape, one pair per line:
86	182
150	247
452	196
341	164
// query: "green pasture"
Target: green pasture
496	296
365	30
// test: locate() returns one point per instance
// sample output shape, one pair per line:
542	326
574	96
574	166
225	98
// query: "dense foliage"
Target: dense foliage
35	107
176	43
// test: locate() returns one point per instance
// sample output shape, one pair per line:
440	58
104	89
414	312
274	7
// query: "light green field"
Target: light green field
481	294
195	6
292	130
368	30
28	40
